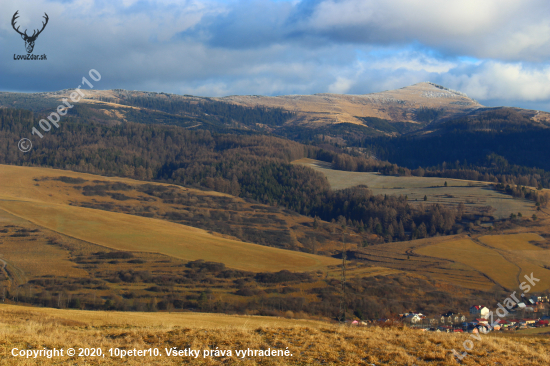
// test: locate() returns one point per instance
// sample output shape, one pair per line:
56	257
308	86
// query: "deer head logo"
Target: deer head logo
29	40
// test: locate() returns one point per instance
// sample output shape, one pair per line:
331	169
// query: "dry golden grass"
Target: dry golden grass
517	249
513	242
135	233
363	272
403	256
45	205
310	343
482	259
36	258
19	182
31	256
393	105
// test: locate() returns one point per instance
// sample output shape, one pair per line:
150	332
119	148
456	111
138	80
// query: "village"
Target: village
531	312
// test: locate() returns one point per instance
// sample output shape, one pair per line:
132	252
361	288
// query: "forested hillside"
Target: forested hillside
505	133
255	167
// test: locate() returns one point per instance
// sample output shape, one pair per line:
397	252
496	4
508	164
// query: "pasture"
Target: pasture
497	257
135	233
482	259
35	194
475	195
518	249
403	256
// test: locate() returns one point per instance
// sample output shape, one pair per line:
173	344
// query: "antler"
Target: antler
43	26
15	16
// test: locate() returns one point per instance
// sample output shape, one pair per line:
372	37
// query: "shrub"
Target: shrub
282	276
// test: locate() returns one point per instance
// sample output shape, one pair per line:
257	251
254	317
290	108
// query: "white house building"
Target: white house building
479	311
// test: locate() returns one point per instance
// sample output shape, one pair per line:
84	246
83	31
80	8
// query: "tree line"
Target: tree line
255	167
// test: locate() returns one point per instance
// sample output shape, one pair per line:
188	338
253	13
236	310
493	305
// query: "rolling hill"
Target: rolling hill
23	197
417	105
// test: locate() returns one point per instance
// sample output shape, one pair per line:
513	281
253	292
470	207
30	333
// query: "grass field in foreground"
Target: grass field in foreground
136	233
87	318
309	342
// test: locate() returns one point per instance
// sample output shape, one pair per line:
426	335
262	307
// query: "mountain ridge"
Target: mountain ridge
414	107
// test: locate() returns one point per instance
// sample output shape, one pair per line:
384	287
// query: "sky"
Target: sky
496	51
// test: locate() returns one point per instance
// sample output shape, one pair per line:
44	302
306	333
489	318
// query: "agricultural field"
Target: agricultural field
475	261
482	259
405	256
477	196
309	342
144	234
505	259
219	214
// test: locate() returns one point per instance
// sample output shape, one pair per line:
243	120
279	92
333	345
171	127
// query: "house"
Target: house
534	299
459	318
414	318
451	317
479	310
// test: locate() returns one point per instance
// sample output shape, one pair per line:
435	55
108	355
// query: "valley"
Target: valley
186	207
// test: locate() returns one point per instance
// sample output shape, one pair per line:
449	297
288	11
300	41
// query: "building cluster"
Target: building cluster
528	312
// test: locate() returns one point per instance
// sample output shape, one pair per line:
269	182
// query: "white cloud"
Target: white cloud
504	81
494	50
340	86
490	28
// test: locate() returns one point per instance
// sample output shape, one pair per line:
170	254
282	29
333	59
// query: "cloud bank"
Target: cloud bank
497	52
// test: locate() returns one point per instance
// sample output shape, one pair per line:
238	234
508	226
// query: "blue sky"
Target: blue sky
496	51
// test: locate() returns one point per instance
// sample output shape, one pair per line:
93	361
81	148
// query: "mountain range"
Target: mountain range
396	125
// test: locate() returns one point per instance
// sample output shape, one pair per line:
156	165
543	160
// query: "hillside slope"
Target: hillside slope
22	196
400	105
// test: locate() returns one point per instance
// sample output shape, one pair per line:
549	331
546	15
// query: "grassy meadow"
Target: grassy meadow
309	342
480	258
44	204
475	195
144	234
404	256
500	257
